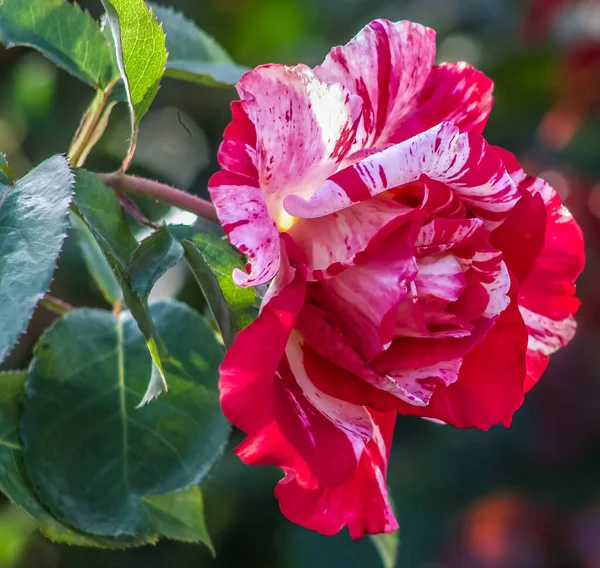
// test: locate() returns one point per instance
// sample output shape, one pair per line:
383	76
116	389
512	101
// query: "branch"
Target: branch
92	126
54	305
161	192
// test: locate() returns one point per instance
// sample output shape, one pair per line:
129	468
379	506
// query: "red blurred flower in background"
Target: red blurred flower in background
414	268
579	72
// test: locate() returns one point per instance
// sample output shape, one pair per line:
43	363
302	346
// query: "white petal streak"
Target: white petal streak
463	161
353	420
420	383
547	335
246	220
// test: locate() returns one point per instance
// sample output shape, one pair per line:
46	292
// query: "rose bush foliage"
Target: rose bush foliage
413	267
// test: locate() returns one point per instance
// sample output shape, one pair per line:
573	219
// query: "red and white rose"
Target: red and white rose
414	268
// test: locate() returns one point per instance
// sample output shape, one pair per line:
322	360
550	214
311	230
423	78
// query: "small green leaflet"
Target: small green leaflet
97	265
63	33
387	547
141	56
91	456
99	207
7	176
387	544
33	226
11	393
155	255
212	261
193	55
180	516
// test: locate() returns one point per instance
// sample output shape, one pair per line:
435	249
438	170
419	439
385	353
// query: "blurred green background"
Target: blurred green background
526	497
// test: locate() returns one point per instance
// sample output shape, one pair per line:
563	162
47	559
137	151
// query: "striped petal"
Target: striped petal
463	161
461	278
346	375
361	503
237	152
489	269
546	297
489	388
440	275
441	235
268	393
330	434
455	92
387	64
304	128
246	374
239	203
337	241
248	224
468	240
364	299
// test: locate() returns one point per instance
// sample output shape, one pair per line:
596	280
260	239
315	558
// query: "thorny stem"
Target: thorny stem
143	187
56	306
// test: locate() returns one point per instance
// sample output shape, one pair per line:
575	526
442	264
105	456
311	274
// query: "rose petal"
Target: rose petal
364	299
419	365
464	161
268	394
521	236
387	64
546	297
344	373
330	434
246	220
441	235
246	377
361	503
467	239
337	241
489	388
440	275
304	128
237	152
455	92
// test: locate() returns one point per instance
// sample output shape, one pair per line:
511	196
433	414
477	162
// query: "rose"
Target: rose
414	268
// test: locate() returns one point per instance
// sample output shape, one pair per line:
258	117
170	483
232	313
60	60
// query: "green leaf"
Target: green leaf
92	456
155	255
194	55
97	265
212	261
33	226
141	55
63	33
11	480
103	214
180	516
14	484
186	521
99	207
